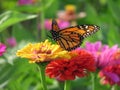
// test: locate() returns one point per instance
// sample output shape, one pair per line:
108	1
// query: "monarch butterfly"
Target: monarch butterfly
71	37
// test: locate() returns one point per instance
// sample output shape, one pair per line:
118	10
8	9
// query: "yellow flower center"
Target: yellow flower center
70	8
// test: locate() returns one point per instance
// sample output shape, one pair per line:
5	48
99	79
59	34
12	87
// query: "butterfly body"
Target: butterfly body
72	37
55	35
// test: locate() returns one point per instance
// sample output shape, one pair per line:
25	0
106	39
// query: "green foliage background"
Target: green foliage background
21	22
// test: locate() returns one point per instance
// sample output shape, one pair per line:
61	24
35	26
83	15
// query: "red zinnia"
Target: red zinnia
64	69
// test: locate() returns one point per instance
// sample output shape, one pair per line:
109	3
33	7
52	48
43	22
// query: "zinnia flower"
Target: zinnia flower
107	60
11	41
70	14
68	69
44	51
62	24
111	74
2	49
103	54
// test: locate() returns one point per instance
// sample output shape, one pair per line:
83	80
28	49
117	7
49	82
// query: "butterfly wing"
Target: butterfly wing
55	29
72	37
83	30
55	25
87	30
70	41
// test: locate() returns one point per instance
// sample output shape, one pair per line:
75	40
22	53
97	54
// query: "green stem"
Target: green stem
61	85
93	81
113	87
42	76
67	85
42	17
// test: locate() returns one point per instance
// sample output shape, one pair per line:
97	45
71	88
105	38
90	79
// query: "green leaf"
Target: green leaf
28	8
113	35
11	17
54	8
92	16
114	8
22	34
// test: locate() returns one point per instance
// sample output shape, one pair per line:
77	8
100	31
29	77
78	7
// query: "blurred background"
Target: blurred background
24	21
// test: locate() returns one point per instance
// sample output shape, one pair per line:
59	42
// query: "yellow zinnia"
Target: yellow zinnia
44	51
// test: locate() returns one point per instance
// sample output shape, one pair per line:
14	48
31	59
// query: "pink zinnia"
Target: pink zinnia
107	60
2	49
102	53
110	74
